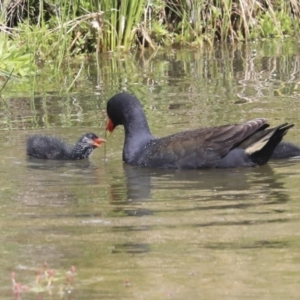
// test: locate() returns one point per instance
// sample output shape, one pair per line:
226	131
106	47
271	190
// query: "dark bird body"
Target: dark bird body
286	150
48	147
229	146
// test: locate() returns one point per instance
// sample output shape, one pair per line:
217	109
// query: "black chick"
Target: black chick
49	147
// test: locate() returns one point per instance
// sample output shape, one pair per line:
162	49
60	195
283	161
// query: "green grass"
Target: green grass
36	32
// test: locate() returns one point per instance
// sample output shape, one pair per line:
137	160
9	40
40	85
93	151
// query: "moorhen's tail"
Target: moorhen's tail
261	150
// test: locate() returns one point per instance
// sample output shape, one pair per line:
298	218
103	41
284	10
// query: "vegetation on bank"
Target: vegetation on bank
36	31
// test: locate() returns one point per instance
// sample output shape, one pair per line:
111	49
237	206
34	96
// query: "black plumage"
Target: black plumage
240	145
286	150
49	147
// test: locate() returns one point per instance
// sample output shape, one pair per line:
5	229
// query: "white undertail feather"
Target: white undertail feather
259	144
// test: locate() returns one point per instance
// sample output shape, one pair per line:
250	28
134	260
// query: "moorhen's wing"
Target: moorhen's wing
200	148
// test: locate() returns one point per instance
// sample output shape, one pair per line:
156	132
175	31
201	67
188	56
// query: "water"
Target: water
136	233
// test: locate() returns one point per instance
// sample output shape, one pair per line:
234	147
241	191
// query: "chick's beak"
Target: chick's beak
98	141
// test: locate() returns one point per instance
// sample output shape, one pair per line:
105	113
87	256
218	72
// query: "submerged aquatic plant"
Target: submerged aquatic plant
47	281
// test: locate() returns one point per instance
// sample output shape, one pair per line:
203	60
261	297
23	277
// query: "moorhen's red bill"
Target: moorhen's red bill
228	146
49	147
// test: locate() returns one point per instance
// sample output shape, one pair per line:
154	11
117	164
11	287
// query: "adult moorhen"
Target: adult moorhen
228	146
48	147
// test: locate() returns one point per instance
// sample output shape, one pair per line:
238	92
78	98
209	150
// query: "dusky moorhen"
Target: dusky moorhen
229	146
